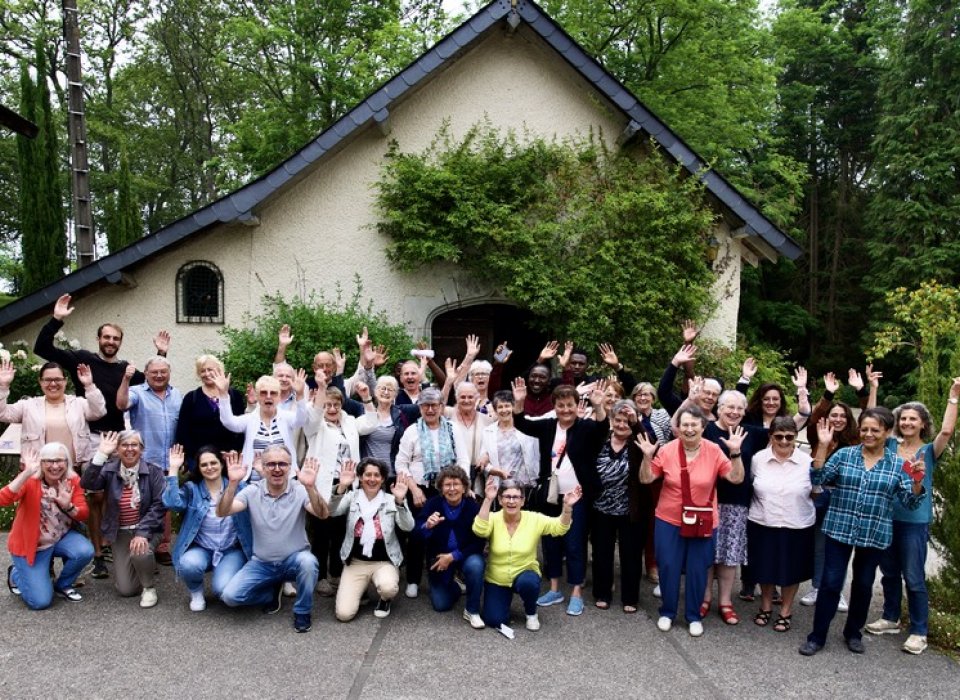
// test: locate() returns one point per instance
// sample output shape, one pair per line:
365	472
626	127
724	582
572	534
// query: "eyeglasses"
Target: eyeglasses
53	380
429	407
511	497
780	437
276	465
61	460
129	445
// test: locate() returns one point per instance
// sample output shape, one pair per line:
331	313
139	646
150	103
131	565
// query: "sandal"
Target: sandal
704	608
782	624
630	609
602	604
762	618
729	615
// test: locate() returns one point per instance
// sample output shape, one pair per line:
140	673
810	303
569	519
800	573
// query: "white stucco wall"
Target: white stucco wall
320	232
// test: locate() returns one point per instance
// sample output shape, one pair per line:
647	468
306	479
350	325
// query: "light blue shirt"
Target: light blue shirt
156	419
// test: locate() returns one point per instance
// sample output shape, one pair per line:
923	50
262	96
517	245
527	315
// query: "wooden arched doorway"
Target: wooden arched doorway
494	324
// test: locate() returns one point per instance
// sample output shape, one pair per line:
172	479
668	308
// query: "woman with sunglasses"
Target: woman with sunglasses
781	521
514	534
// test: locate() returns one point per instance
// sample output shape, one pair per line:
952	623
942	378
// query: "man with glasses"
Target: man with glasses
277	506
108	371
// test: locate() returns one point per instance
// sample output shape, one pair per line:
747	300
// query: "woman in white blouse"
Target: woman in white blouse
781	521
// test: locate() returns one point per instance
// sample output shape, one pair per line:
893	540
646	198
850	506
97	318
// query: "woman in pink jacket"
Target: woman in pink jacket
56	416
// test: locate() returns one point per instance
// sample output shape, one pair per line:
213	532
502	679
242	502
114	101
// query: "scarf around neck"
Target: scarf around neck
368	512
433	461
130	478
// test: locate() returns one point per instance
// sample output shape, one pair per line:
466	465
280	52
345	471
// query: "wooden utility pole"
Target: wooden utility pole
77	125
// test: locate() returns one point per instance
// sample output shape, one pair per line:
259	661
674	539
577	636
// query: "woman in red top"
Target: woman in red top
705	463
50	501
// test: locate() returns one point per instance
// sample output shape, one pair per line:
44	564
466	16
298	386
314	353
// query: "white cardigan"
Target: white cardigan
248	423
530	447
323	440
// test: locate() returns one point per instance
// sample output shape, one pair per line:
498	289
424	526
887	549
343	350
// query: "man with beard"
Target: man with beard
108	372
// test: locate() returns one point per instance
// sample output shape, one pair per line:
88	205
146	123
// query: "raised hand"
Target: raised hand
339	359
567	352
696	386
108	443
502	353
257	463
955	388
519	388
400	488
854	379
299	382
363	339
30	463
222	382
235	468
62	308
647	446
690	331
873	377
491	488
367	355
85	376
583	407
598	393
687	353
321	378
348	473
570	498
737	436
473	345
7	373
749	368
800	378
363	391
64	496
608	355
129	371
450	367
161	341
549	351
824	431
831	383
434	520
307	476
284	337
380	355
175	459
251	394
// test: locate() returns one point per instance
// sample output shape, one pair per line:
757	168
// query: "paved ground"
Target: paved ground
108	647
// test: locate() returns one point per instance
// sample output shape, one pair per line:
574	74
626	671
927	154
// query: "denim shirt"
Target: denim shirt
193	500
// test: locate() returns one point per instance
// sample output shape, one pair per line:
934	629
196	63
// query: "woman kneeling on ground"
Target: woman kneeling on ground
371	550
514	535
49	500
446	524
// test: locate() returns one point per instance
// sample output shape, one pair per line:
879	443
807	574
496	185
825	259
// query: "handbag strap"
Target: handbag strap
685	494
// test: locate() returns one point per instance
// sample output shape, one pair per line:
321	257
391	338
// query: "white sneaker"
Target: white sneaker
412	590
664	624
533	622
148	598
289	589
656	591
842	605
696	629
197	602
915	644
883	626
475	620
810	598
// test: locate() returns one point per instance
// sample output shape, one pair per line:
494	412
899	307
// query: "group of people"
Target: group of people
328	485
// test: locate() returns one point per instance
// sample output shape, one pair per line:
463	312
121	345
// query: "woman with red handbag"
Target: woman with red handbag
686	513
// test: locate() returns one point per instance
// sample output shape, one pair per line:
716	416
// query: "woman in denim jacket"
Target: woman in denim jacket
206	542
371	550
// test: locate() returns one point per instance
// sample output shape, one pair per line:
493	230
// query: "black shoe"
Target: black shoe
106	553
13	589
383	609
276	602
301	622
70	594
99	568
855	644
163	558
809	648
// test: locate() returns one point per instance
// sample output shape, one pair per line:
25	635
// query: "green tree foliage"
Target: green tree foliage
925	322
317	323
44	243
123	222
915	215
599	246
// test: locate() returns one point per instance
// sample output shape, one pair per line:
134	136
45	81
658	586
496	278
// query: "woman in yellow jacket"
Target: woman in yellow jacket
514	535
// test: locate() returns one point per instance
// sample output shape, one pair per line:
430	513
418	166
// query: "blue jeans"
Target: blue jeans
835	560
444	591
573	545
255	583
36	589
676	555
497	599
906	557
197	561
822	503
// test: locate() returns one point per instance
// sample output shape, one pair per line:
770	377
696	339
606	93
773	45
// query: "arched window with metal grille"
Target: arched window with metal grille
199	293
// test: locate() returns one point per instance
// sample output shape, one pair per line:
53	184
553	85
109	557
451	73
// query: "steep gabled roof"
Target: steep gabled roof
240	205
